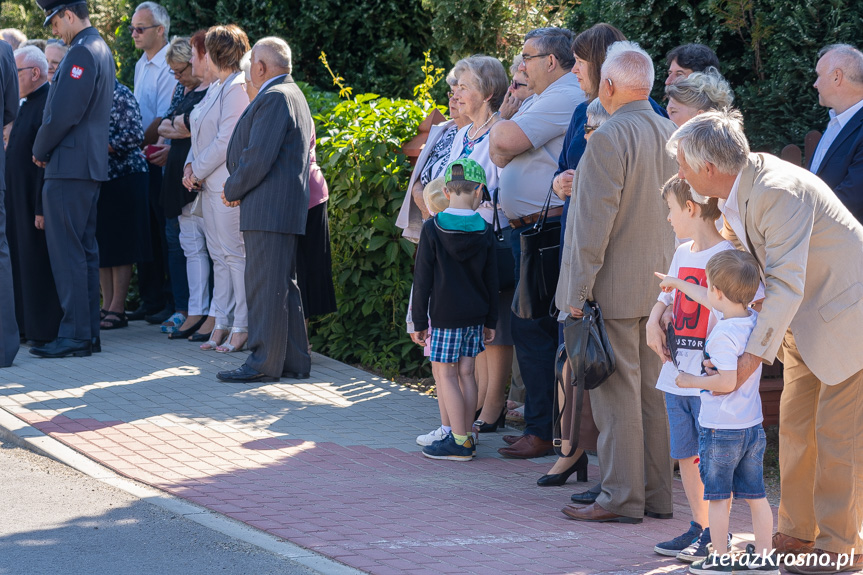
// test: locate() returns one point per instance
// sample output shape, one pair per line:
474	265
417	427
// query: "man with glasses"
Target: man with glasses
72	146
9	108
526	148
154	86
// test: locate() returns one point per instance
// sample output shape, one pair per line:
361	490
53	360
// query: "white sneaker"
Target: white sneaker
429	438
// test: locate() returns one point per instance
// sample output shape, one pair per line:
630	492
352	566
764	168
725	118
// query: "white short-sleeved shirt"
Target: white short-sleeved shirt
154	86
739	409
525	181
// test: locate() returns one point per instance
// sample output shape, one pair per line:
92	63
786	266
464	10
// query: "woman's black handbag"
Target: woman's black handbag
591	358
503	251
539	267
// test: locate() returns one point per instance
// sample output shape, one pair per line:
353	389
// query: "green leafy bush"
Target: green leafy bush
359	151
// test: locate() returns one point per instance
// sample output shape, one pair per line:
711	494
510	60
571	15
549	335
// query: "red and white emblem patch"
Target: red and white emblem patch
77	72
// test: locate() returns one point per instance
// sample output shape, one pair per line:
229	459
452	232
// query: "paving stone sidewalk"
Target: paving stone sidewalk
329	463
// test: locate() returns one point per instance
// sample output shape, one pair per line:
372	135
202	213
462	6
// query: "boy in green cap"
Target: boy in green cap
455	287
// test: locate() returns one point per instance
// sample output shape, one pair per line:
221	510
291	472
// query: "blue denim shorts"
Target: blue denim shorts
683	424
732	461
448	345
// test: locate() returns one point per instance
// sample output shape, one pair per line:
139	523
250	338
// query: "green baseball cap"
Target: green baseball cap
473	172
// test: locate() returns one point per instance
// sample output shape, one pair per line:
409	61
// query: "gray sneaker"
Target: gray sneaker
698	549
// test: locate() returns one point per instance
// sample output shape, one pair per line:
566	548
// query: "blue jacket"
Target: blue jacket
842	166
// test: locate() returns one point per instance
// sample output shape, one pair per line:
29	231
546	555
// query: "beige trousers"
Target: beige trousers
633	449
821	457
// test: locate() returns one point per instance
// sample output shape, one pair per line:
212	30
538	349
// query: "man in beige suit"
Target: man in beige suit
810	249
617	235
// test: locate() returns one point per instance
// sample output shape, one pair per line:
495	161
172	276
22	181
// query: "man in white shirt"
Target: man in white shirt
838	159
526	149
154	88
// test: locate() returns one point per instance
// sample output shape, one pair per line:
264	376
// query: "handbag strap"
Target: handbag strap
498	232
544	212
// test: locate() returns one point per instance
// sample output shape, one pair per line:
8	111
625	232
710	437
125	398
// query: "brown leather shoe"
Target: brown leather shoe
792	545
818	562
528	447
510	439
596	513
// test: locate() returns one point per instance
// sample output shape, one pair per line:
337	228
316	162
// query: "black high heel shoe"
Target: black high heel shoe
185	333
482	427
555	479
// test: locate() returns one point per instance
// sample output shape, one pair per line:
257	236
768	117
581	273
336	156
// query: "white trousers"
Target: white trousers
194	246
228	252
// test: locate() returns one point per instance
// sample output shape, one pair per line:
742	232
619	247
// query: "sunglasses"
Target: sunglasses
517	85
140	29
588	128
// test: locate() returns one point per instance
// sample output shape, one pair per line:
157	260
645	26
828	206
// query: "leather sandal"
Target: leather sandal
212	344
114	320
227	347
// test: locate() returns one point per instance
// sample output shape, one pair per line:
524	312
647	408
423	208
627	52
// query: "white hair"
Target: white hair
160	15
714	137
628	66
596	113
246	65
14	36
846	58
274	52
33	56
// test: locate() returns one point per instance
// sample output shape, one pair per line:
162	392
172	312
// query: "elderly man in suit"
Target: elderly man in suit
72	146
616	237
268	159
810	249
838	159
9	109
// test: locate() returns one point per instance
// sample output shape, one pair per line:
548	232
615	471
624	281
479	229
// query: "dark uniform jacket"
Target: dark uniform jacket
8	96
268	159
73	138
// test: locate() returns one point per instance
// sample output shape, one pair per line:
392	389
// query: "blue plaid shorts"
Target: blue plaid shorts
448	345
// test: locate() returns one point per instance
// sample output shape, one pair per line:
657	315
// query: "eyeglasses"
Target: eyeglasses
140	29
178	73
450	94
588	128
517	85
27	68
527	57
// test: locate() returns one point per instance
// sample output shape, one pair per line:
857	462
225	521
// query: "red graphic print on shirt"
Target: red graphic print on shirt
690	318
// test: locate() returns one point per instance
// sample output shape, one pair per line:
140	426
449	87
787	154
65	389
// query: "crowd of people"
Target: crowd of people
104	178
706	259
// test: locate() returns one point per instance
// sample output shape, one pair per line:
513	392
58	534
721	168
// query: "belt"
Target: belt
533	218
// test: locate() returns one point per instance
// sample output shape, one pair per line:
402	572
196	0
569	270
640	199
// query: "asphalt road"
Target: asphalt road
54	519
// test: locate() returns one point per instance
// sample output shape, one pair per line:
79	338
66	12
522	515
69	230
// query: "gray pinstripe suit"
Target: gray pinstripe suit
268	159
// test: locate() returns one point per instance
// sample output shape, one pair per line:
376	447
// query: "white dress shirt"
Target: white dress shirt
837	122
154	86
730	210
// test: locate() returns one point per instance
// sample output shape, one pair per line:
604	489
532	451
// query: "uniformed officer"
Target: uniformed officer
72	146
8	111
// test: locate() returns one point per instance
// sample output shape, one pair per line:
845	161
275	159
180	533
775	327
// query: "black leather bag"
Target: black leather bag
539	267
503	251
591	357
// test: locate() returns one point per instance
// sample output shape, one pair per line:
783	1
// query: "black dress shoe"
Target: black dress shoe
186	333
159	316
295	375
63	347
245	374
656	515
555	479
139	313
587	497
96	344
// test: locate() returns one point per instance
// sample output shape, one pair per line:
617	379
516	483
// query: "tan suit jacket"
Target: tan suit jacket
810	249
617	233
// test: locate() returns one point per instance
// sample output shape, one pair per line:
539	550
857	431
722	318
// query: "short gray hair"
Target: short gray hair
846	58
179	51
714	137
490	75
35	57
14	36
276	52
555	41
628	66
451	79
706	90
596	113
516	62
246	65
160	15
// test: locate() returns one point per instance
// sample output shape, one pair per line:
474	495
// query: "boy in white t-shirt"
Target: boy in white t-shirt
691	323
732	440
